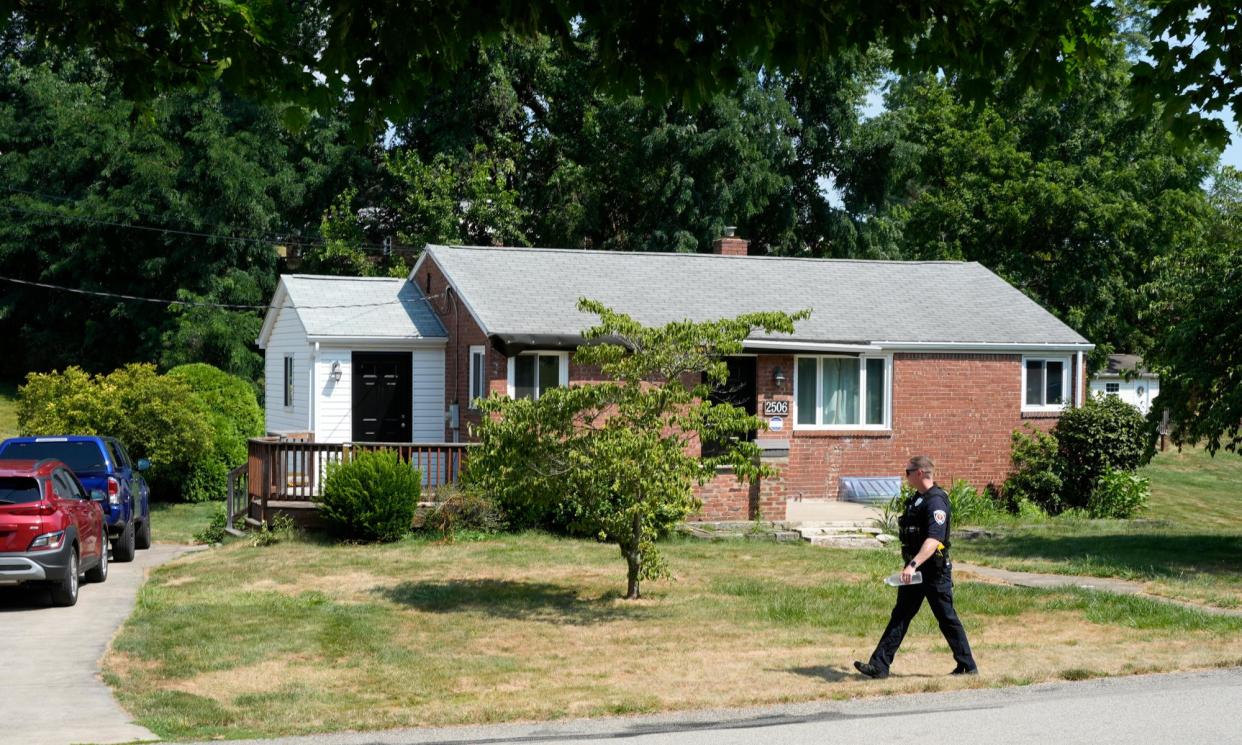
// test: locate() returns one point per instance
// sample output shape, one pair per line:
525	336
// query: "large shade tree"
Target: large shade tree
185	202
384	57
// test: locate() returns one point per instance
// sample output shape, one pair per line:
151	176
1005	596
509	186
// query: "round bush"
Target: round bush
371	496
1105	433
158	417
233	414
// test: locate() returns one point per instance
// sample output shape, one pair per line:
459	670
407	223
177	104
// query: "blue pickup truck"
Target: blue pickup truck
99	463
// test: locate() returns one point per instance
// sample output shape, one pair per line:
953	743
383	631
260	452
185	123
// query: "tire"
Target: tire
123	546
65	592
143	539
99	572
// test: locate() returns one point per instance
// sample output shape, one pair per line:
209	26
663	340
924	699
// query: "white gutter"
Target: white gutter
959	346
807	346
402	341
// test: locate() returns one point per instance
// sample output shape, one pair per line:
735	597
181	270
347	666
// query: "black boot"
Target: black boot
871	671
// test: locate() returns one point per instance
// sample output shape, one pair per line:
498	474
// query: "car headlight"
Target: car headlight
48	540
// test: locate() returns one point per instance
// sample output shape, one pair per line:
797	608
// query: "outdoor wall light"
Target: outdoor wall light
778	376
335	373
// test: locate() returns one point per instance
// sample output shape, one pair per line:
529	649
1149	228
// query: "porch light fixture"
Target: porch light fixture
335	373
778	376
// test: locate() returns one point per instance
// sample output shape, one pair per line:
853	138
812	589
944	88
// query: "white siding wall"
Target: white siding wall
1128	391
428	395
288	338
333	411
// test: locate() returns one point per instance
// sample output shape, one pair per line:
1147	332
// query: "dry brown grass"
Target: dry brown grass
529	628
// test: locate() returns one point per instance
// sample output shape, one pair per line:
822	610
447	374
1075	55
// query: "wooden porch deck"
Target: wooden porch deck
286	476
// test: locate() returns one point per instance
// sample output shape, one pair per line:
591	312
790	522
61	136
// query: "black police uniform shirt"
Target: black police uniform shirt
926	516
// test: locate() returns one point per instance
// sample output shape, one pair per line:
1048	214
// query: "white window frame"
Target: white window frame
1067	385
563	365
1112	388
887	426
478	362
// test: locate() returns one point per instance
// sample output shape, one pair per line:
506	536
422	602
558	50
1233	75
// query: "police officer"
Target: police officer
924	547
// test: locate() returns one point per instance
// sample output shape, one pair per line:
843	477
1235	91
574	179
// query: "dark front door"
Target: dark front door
382	392
738	390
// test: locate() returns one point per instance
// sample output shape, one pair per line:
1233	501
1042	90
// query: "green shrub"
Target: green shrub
371	496
968	505
157	417
280	528
214	531
1105	433
1036	475
456	510
234	410
1119	494
234	416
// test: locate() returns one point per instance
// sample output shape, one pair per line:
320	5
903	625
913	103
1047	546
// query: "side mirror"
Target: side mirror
98	495
143	464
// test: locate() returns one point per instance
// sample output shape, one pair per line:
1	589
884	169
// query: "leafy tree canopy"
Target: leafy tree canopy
185	203
385	57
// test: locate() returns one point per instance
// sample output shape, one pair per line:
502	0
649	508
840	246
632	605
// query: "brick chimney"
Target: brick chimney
730	245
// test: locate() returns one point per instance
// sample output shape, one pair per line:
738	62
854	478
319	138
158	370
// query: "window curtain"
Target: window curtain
840	391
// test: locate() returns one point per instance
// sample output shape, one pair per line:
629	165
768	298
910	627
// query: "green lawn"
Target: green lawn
177	523
1187	545
8	410
310	636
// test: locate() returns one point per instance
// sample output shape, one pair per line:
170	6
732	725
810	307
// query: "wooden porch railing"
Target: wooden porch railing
294	471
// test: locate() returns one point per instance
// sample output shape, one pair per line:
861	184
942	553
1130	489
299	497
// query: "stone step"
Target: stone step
839	531
846	542
810	525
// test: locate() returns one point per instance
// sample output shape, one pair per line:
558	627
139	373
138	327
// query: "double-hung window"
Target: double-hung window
533	373
843	392
1045	383
478	382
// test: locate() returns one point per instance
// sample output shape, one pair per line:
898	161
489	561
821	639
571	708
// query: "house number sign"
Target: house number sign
776	408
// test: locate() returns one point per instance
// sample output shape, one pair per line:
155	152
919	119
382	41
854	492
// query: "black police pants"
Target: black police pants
938	591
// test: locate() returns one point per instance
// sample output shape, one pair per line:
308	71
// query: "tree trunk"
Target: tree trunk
633	559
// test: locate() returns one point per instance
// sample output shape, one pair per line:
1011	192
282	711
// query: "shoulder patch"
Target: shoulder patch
940	516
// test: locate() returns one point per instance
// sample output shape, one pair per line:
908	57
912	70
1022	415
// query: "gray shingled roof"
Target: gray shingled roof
535	291
382	307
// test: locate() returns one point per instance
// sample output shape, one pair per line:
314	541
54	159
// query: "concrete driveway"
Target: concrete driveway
49	674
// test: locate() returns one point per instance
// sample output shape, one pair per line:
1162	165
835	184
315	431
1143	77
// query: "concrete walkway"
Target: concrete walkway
828	510
52	692
1105	584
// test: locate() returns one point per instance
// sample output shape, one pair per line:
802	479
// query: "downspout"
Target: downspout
311	391
454	408
1079	379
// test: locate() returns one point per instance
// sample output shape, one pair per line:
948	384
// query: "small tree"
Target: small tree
616	459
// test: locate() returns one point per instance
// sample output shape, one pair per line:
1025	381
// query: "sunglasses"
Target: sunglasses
911	470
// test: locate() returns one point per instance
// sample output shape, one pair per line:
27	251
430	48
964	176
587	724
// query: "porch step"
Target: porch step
843	534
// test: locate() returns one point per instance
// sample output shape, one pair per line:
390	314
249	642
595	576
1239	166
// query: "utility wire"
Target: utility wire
270	240
205	304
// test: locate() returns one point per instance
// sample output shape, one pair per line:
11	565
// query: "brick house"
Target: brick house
897	358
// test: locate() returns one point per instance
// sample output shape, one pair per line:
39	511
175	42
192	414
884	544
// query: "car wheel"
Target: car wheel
123	546
143	539
65	592
99	572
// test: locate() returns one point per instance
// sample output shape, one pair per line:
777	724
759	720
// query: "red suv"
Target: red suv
51	529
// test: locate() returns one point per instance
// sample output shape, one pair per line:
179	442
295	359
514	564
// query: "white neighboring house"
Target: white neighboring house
1118	379
353	359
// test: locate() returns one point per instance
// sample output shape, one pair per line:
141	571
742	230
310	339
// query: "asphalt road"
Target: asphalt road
50	690
1186	708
